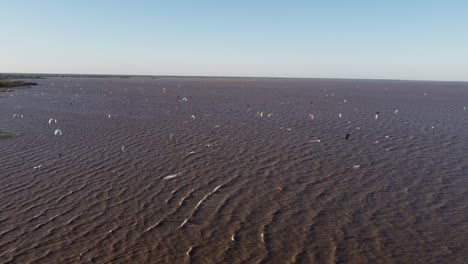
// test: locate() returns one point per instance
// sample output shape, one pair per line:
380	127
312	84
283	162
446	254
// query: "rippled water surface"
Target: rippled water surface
210	179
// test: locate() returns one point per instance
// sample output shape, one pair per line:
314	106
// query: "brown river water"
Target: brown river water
234	170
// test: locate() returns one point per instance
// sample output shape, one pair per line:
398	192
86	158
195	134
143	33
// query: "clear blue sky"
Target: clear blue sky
412	39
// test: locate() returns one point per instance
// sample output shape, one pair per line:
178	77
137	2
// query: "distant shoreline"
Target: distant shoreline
7	86
128	76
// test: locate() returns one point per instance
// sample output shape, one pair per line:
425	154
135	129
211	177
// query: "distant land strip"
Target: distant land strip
6	86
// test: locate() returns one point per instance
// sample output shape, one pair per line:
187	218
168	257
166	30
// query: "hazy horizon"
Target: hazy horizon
216	76
421	40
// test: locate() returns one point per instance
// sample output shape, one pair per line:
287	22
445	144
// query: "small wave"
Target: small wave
172	176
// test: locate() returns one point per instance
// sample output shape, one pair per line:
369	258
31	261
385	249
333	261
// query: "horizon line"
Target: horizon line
218	76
